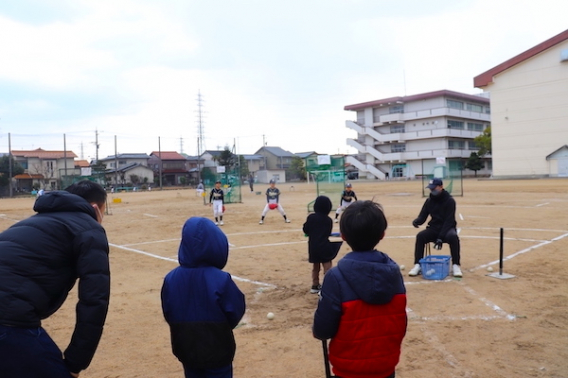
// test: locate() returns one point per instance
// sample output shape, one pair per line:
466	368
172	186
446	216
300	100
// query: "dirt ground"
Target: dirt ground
477	326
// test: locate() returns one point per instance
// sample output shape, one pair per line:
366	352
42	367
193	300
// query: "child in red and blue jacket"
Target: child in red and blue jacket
362	304
201	303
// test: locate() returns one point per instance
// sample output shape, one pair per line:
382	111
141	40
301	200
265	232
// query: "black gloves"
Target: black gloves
415	223
438	244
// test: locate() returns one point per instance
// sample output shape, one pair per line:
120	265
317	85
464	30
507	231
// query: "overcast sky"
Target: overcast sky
269	72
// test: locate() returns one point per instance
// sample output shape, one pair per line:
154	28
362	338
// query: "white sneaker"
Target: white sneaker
216	223
221	223
336	220
287	220
415	271
261	222
457	271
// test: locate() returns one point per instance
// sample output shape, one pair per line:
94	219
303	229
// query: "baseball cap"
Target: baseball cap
272	182
348	185
434	183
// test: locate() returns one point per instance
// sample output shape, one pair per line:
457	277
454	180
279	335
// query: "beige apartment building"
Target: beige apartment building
529	111
401	137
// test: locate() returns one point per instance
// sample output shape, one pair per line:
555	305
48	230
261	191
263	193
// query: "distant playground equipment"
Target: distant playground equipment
449	170
328	172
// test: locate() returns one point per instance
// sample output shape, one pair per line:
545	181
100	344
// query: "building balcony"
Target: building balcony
430	113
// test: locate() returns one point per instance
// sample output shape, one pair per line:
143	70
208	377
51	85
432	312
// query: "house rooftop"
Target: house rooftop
276	151
44	154
486	78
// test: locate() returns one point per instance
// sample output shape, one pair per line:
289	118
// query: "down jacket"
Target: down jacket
41	258
362	308
201	303
442	209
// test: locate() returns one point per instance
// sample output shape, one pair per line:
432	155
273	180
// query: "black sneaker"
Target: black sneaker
315	289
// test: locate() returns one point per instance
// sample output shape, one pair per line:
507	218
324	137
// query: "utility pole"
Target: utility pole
200	132
97	145
181	145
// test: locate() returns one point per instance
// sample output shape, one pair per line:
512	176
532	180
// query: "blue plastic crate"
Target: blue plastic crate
435	267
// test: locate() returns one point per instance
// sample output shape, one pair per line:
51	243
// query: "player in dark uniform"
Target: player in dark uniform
272	202
347	198
216	199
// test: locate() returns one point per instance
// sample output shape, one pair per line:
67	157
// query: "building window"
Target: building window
487	110
472	145
397	129
474	126
23	164
454	104
458	125
456	144
396	109
398	172
122	162
474	108
398	147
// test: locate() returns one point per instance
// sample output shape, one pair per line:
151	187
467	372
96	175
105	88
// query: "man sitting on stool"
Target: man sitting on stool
441	207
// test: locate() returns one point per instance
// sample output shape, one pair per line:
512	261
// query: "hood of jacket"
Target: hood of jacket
372	275
60	201
322	205
202	244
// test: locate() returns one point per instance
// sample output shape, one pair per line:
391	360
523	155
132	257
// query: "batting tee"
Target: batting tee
328	172
449	170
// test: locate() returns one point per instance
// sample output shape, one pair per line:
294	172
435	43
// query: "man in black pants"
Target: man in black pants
441	207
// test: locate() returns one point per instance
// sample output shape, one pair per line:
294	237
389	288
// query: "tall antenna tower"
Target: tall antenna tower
200	123
181	145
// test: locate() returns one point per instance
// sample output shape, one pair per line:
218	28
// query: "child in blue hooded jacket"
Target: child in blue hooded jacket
201	303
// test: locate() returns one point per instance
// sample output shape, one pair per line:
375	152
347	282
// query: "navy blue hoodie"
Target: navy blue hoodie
201	303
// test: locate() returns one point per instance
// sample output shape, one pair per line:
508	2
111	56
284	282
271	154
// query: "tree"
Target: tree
5	170
483	141
135	179
474	163
297	169
226	157
244	169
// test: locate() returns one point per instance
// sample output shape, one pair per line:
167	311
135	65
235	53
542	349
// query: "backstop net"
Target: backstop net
328	172
449	170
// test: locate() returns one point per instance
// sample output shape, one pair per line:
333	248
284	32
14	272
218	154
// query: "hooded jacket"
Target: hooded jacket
362	308
442	210
318	227
201	303
42	256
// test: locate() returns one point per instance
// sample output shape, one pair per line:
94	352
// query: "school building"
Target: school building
529	111
401	137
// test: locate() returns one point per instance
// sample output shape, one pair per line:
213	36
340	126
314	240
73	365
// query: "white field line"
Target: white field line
150	215
461	216
268	245
236	278
505	258
542	204
490	304
152	242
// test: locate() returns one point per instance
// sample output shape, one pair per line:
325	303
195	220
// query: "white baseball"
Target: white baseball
402	267
490	269
270	316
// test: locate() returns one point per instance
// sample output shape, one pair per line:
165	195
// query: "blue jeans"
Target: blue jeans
30	353
223	372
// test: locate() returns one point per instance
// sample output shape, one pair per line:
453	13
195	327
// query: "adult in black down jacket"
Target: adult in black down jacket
41	258
441	207
321	251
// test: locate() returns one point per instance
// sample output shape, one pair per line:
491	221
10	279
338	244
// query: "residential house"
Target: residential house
173	166
133	174
43	169
276	161
410	135
122	160
529	111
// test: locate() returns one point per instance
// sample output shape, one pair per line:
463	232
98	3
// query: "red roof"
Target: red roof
168	155
487	77
422	96
43	154
27	176
82	163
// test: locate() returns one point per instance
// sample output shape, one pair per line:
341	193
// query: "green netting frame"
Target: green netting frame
329	178
231	184
451	174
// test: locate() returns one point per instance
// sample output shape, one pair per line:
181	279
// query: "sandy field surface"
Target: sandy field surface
477	326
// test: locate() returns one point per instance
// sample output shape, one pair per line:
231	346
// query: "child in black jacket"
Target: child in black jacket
321	251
